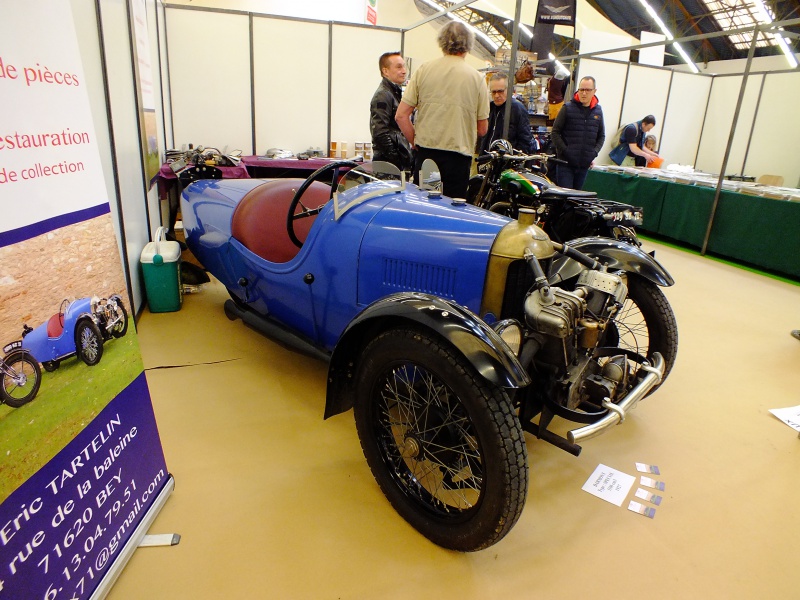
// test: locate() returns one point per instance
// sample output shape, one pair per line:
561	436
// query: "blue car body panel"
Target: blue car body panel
427	245
395	242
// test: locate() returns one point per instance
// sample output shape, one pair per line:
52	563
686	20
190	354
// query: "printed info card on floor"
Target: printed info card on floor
609	484
790	416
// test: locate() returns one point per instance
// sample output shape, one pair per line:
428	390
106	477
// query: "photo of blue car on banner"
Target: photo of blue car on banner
82	472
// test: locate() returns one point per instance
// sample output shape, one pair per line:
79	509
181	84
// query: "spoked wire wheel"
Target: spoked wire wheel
426	434
444	445
121	328
646	323
88	342
20	379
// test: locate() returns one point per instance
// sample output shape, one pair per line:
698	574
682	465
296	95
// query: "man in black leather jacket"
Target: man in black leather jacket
519	129
388	142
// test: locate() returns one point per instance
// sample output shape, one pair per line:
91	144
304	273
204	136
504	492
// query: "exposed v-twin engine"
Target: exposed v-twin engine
570	325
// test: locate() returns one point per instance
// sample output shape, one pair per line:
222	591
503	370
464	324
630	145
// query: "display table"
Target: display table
763	232
261	166
169	188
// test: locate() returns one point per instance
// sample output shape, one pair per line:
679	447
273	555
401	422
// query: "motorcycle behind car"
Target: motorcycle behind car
508	180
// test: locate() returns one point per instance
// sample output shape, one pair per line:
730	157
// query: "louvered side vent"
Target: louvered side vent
401	275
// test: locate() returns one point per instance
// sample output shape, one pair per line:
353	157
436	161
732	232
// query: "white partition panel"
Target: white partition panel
717	126
646	94
85	17
121	93
610	77
683	122
355	78
291	84
164	75
421	45
209	66
596	41
772	146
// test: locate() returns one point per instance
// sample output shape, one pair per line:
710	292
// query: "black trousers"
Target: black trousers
453	169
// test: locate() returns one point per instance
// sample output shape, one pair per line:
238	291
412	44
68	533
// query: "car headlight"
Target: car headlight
511	333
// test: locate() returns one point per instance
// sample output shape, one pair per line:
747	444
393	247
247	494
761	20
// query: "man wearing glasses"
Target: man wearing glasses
519	129
578	135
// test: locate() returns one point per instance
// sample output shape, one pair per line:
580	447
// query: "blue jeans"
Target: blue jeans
568	176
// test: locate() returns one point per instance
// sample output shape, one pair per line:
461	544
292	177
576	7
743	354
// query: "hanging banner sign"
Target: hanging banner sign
556	12
372	12
81	465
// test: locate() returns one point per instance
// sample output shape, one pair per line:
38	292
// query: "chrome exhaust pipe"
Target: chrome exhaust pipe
618	412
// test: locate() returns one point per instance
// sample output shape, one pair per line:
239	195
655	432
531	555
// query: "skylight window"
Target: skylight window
733	14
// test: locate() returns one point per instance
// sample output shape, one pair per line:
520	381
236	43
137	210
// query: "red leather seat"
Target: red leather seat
259	221
55	326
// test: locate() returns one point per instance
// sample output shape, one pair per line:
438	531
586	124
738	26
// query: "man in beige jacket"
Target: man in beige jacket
452	103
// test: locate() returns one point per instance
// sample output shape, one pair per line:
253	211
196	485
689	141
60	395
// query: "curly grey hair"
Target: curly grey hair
456	38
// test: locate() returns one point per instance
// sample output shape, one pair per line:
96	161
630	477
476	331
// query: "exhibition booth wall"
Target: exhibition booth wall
271	82
237	80
285	83
694	114
105	37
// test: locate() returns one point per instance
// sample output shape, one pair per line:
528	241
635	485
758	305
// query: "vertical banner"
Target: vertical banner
548	15
542	41
81	465
556	12
144	83
372	12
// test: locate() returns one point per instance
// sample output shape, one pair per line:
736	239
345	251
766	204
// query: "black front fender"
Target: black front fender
616	255
465	331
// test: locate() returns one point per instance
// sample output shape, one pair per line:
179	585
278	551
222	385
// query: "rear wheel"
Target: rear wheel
646	323
88	342
21	381
444	445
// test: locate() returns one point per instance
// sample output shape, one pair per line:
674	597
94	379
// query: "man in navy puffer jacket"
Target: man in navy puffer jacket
578	135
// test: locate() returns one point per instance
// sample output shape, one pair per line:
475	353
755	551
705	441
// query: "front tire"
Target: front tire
646	323
88	342
14	392
444	445
121	328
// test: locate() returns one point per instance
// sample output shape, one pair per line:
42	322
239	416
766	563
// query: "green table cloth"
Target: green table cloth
762	232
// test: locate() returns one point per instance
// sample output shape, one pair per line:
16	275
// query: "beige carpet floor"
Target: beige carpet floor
273	502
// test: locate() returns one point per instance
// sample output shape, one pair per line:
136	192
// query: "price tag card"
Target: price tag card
647	511
609	484
650	497
652	483
643	468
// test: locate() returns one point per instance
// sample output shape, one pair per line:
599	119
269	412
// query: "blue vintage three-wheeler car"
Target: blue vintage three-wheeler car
450	330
